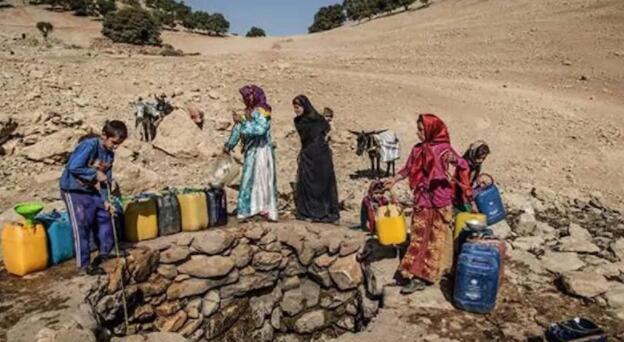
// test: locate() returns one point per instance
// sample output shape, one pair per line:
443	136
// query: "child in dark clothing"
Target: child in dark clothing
84	189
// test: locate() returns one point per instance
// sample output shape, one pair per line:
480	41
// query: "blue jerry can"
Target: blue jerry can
477	277
60	236
490	204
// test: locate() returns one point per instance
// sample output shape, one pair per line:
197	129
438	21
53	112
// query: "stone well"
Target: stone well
283	282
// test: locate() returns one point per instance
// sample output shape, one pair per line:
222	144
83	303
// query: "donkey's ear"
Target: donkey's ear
353	132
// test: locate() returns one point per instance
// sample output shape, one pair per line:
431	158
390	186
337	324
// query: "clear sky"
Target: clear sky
276	17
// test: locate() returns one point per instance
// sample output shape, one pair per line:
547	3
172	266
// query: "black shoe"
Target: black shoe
413	285
93	270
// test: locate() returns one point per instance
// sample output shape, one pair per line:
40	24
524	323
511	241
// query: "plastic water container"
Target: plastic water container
60	236
141	219
169	221
490	204
217	207
391	226
24	248
193	211
477	278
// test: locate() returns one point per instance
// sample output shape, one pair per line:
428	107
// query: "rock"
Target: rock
545	230
349	247
174	254
293	302
527	259
347	323
528	243
544	194
168	308
127	173
201	266
144	313
561	262
291	283
333	298
369	307
178	136
346	273
584	284
194	308
168	271
242	255
172	324
144	263
109	307
262	306
615	298
255	233
211	302
618	248
502	230
47	177
256	281
223	320
264	334
154	287
213	242
54	148
579	240
276	319
311	292
518	202
320	275
194	287
527	224
266	261
64	334
310	322
190	327
293	267
324	260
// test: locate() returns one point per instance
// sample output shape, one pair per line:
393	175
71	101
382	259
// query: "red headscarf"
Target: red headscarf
436	132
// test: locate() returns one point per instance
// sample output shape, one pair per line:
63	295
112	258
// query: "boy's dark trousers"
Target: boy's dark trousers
86	214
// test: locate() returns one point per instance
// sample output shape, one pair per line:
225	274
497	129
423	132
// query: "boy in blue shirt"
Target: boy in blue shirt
84	185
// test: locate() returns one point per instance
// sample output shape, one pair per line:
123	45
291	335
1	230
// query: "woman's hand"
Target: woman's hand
237	117
389	184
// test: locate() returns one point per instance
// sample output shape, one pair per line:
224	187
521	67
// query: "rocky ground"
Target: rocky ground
540	81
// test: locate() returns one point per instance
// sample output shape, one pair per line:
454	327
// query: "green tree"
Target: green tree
256	32
402	3
218	24
328	18
105	6
45	28
132	25
81	7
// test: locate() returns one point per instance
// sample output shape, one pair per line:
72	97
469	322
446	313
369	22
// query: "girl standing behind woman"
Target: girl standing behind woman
258	190
317	194
474	156
430	169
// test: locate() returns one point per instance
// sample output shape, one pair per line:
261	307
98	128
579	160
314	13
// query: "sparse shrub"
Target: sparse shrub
105	7
256	32
45	28
133	26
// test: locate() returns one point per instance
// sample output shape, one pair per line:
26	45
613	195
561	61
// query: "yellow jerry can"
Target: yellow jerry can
193	211
141	219
25	248
462	218
391	226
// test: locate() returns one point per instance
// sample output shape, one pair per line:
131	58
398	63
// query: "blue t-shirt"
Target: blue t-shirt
79	174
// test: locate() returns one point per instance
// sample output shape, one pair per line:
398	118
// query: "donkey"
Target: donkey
148	115
371	142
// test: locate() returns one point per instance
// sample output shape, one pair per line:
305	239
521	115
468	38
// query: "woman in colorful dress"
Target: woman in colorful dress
317	194
258	189
430	169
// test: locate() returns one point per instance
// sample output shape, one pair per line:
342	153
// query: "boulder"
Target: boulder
266	261
256	281
346	273
173	323
201	266
264	334
194	308
213	242
310	322
615	298
178	136
224	319
54	148
262	306
584	284
174	254
502	230
190	327
617	248
168	308
526	225
293	302
156	286
325	260
194	287
242	254
167	271
349	247
528	243
211	302
333	298
143	262
561	262
518	202
127	173
320	275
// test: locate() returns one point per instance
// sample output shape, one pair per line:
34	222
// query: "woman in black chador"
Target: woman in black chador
317	195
